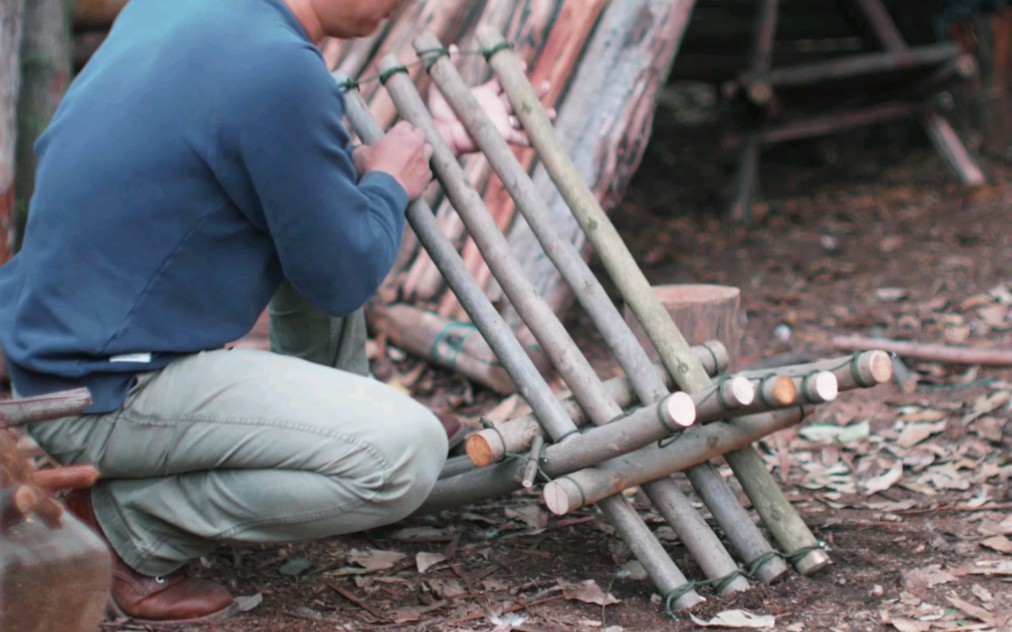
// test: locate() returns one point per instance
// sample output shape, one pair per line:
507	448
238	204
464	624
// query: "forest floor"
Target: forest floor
908	487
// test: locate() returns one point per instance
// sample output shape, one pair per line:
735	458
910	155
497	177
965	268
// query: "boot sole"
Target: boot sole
113	609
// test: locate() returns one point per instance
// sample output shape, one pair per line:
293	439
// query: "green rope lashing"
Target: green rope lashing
495	49
390	72
750	571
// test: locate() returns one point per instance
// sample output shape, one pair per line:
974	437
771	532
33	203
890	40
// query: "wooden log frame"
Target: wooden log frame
573	269
625	519
656	322
11	15
761	85
549	331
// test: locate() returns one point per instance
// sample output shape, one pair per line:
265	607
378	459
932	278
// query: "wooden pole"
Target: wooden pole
605	121
927	351
574	270
696	445
515	435
11	16
836	122
758	88
644	545
46	56
621	266
452	344
862	65
787	527
17	412
963	161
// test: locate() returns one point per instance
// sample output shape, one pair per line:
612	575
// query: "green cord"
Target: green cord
750	571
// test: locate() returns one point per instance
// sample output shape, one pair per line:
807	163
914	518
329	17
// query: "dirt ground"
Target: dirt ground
909	489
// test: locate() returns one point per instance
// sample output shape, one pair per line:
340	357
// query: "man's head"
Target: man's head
343	19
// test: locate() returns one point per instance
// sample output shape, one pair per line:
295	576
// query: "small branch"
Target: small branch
967	508
347	594
929	352
521	606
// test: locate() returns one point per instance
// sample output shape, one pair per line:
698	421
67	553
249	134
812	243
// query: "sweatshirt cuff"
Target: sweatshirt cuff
387	183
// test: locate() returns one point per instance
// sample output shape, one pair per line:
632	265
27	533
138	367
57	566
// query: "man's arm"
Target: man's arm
336	233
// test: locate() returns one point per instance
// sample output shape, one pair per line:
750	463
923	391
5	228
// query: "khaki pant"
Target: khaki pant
251	446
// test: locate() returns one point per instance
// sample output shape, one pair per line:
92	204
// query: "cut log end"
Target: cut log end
679	410
561	496
737	391
779	390
820	387
875	367
480	449
714	356
814	562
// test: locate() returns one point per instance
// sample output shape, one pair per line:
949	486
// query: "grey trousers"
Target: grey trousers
231	446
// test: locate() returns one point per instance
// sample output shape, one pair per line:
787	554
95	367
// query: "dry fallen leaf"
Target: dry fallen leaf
990	527
248	602
915	433
737	619
586	591
918	581
986	404
424	561
375	559
885	480
532	515
909	625
999	543
974	611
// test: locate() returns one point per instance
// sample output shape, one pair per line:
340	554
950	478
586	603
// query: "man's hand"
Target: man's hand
497	107
403	154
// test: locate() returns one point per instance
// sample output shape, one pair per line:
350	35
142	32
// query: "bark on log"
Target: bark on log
46	55
11	15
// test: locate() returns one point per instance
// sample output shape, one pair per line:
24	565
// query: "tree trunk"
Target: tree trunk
10	78
46	53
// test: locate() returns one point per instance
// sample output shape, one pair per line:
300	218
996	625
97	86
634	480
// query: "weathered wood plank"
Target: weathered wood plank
11	15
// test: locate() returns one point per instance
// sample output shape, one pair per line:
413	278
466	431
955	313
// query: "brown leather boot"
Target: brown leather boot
175	599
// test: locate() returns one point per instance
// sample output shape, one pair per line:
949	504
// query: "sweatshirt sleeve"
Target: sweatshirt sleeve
336	235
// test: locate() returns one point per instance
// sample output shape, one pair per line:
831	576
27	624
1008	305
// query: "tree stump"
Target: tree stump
701	312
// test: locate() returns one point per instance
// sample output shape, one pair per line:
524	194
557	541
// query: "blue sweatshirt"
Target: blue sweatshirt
197	159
